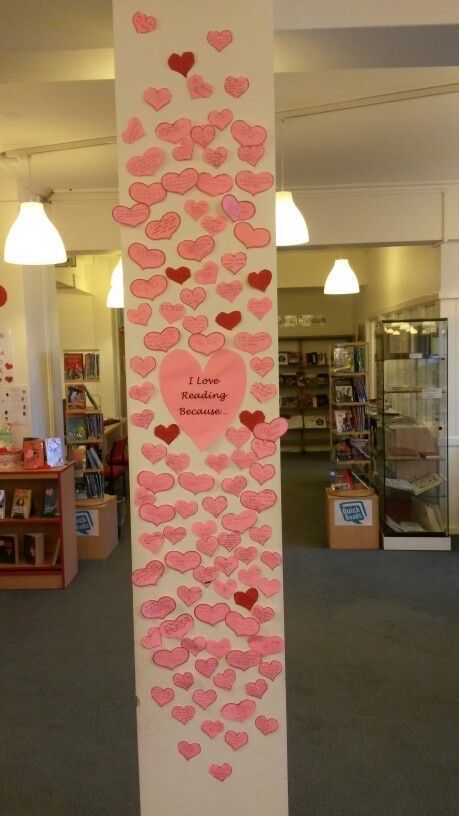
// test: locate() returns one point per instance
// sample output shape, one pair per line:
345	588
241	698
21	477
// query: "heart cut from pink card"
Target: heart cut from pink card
261	534
229	540
174	131
177	461
260	501
146	258
215	506
152	639
229	291
202	134
206	666
181	182
178	628
241	625
162	341
266	725
148	194
220	772
205	575
186	508
196	250
206	343
207	546
236	739
196	208
174	534
252	237
263	448
217	461
207	274
198	88
251	154
141	315
146	164
157	97
149	289
161	696
218	388
183	714
143	496
243	459
143	23
266	644
239	659
188	750
156	514
215	157
238	436
204	528
149	575
219	39
152	541
212	728
262	365
193	297
131	216
239	712
246	554
263	392
214	185
262	614
233	262
270	669
142	365
218	648
225	588
213	224
182	562
183	680
270	431
133	131
236	86
156	482
271	559
196	482
184	150
252	343
159	608
225	679
237	210
164	228
189	595
227	565
259	306
247	134
172	311
195	325
211	614
239	522
142	419
143	392
262	474
254	183
171	658
270	587
220	119
257	688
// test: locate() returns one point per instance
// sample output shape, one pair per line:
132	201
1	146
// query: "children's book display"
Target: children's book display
84	422
348	398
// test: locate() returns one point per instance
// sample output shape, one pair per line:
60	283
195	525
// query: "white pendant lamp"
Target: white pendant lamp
115	297
33	240
291	229
342	279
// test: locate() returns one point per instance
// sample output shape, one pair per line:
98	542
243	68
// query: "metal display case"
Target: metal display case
411	433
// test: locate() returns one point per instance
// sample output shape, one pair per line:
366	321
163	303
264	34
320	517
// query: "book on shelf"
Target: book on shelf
343	358
95	485
76	428
9	549
343	392
22	503
283	358
54	451
33	548
34	453
289	380
73	366
55	552
94	458
6	435
78	454
91	366
359	358
293	358
92	399
404	526
341	479
311	358
295	422
288	401
81	490
311	422
75	396
50	505
418	486
2	503
94	426
429	516
349	419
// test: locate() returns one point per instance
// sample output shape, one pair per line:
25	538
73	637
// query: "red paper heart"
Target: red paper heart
250	419
167	433
260	280
228	319
246	599
178	275
181	63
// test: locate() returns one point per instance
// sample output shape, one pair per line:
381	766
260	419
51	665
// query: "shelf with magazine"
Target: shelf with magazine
412	433
349	408
84	422
303	392
37	528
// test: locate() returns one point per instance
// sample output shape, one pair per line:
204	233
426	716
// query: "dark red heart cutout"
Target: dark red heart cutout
8	366
3	295
260	280
167	433
251	419
228	319
9	379
179	275
181	63
246	599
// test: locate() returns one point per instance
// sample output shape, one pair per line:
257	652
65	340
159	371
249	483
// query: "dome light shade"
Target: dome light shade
341	279
33	240
115	297
291	228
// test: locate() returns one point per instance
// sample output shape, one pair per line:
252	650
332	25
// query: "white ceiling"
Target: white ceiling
56	85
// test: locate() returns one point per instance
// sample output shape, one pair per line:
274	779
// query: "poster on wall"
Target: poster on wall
196	212
6	356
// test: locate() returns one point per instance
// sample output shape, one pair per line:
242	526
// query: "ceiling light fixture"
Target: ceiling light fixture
291	229
33	240
341	279
115	297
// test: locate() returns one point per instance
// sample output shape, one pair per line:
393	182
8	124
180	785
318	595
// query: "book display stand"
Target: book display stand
348	396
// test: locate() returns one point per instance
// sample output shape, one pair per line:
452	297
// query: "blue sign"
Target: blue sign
84	522
353	512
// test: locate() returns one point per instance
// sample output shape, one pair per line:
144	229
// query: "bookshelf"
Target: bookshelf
51	562
348	398
84	421
304	392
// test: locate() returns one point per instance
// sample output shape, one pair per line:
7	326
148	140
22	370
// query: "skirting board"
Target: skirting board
440	543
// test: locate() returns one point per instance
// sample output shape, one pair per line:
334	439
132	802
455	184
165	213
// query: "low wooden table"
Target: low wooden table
352	519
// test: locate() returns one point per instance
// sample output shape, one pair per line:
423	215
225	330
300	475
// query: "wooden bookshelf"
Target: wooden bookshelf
349	378
60	563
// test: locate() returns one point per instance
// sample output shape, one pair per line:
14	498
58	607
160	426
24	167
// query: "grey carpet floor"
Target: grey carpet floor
371	681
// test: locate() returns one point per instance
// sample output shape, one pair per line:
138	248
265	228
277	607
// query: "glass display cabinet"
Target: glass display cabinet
411	434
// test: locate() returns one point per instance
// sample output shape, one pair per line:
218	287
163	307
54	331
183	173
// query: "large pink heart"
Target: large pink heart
223	373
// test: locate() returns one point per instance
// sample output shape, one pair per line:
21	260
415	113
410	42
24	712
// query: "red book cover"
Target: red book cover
34	453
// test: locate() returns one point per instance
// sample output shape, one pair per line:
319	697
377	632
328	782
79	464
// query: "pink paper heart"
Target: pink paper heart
143	23
262	614
236	739
131	216
189	595
183	714
251	154
266	644
246	554
262	473
183	680
146	258
147	193
202	529
151	541
142	392
163	228
162	341
205	575
247	134
242	625
262	366
172	311
149	575
252	237
225	588
212	728
182	562
254	183
219	39
142	419
196	250
214	185
215	157
198	88
213	224
252	343
153	452
237	210
243	459
202	134
189	749
184	150
236	86
238	436
208	273
226	366
204	699
186	508
262	448
177	461
229	291
239	522
206	667
181	182
141	315
207	546
225	679
196	482
173	131
171	658
218	648
270	431
226	565
257	688
229	540
146	164
195	325
271	559
259	306
233	262
239	659
143	365
156	514
211	614
162	696
261	534
250	577
217	462
157	97
134	131
220	119
270	669
196	209
259	501
269	587
152	639
263	392
174	534
159	608
215	506
266	725
239	711
220	772
150	288
178	628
